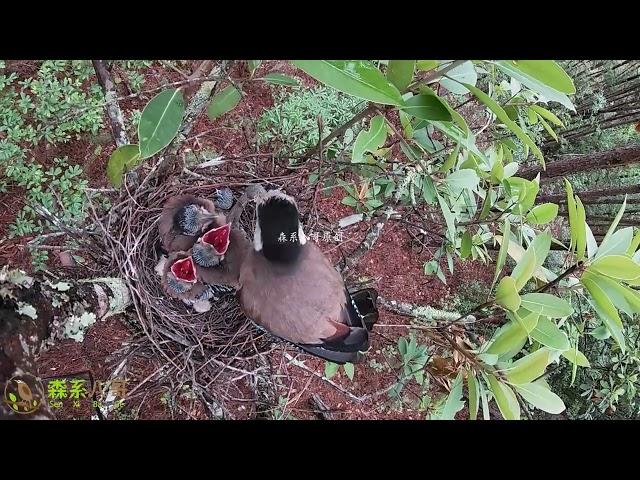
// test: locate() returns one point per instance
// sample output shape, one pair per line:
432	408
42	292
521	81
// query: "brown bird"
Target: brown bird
289	288
183	219
182	280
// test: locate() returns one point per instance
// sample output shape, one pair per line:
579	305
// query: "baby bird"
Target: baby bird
210	249
183	219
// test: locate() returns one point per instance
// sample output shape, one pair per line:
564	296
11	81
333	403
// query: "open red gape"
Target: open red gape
218	238
184	270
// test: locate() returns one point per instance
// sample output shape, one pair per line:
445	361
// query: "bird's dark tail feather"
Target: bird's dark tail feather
365	301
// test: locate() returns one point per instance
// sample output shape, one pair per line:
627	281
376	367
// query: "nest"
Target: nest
218	353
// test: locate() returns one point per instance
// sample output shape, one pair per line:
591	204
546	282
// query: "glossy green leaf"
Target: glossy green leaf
349	370
505	399
450	162
462	179
542	214
504	246
549	130
605	309
427	107
635	243
504	118
160	122
546	114
581	231
425	65
616	244
465	73
223	102
400	73
548	334
529	367
511	335
616	220
616	292
277	78
484	402
122	159
454	402
507	294
601	333
532	259
571	208
548	72
497	172
369	140
547	305
359	78
448	218
619	267
472	385
531	82
577	357
540	396
330	369
466	245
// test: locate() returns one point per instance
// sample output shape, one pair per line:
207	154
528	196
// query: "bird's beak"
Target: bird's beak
218	238
184	270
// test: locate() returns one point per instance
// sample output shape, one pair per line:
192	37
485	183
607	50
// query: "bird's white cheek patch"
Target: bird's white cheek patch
257	238
301	236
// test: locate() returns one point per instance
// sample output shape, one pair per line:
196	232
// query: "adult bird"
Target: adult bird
287	286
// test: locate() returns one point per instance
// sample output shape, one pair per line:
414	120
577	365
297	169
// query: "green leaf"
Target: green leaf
453	403
12	397
472	385
577	357
277	78
448	218
509	336
330	369
573	215
581	230
505	398
540	396
548	334
504	118
354	77
425	65
160	122
369	140
618	243
504	247
526	79
548	72
223	102
619	267
484	401
253	65
543	214
427	107
466	245
548	128
350	201
547	305
543	112
465	73
634	243
616	220
400	73
497	172
122	159
465	178
507	294
532	259
349	370
528	368
450	162
601	333
605	309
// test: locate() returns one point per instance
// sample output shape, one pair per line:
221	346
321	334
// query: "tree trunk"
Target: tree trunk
591	196
571	164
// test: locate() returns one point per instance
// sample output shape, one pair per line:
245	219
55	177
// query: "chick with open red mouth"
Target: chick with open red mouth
210	249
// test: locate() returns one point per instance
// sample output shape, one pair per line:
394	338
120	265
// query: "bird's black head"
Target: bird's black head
278	233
